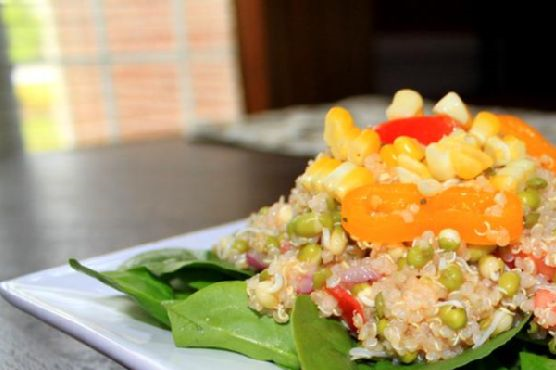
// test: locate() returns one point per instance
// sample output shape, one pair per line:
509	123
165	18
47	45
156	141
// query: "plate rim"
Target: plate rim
59	320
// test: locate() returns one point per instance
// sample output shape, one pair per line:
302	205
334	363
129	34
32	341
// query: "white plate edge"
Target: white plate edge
66	323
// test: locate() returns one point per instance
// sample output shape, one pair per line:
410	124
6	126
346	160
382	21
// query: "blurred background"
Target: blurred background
81	73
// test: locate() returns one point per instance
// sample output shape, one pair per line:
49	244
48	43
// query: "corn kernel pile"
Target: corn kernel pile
475	148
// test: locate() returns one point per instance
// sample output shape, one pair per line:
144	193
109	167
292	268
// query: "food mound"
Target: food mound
426	234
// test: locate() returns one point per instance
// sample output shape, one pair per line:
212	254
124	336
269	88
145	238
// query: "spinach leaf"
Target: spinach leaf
322	344
159	260
169	261
464	358
198	285
191	280
138	283
218	316
531	361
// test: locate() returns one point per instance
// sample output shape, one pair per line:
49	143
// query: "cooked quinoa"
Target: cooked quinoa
428	298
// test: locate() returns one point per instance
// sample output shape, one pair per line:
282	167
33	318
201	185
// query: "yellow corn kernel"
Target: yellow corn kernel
485	125
336	119
406	103
466	166
343	142
389	155
313	167
414	166
451	105
429	187
317	183
365	144
471	140
318	170
406	176
498	150
409	146
514	175
357	177
332	181
459	136
339	130
521	169
504	183
471	151
517	147
439	163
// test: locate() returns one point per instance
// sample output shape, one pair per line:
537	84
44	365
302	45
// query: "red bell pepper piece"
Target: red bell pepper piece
544	299
426	129
542	268
348	304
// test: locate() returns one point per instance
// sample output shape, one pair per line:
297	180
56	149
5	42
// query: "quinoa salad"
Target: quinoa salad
425	235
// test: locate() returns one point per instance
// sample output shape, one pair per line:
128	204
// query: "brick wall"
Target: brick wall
143	68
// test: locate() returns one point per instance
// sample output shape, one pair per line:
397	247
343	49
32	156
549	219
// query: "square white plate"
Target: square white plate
104	319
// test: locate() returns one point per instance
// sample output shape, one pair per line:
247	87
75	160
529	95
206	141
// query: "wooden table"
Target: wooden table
91	202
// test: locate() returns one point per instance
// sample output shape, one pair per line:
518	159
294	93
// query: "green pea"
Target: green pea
380	306
327	220
476	252
291	227
402	263
552	346
418	255
264	275
449	239
358	288
319	277
308	225
490	267
531	219
264	210
451	277
408	357
272	242
240	245
509	283
530	198
310	253
453	317
536	183
381	327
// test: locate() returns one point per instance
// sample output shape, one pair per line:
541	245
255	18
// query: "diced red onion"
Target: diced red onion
506	255
304	284
285	247
358	274
255	261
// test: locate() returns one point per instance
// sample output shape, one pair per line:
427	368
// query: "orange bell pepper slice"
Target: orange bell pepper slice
375	214
537	145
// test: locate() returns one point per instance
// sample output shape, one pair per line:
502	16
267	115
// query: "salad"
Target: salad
423	241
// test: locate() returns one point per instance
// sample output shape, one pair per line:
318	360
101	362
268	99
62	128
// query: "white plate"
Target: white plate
102	318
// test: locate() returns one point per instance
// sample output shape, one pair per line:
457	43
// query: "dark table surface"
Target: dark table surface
91	202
